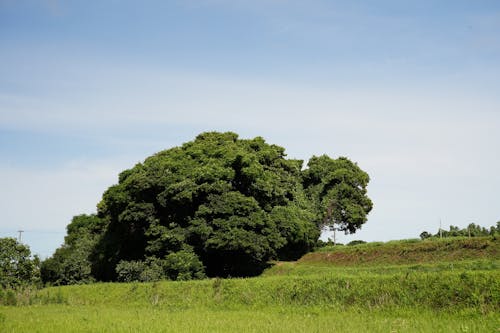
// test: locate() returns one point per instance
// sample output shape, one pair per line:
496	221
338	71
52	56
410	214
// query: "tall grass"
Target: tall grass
430	290
60	318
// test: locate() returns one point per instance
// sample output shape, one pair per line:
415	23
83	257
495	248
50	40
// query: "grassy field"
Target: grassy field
60	318
405	286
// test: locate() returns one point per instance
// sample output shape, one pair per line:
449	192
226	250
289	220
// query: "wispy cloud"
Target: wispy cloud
130	98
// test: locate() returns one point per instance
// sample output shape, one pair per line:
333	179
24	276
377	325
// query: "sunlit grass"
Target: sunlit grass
60	318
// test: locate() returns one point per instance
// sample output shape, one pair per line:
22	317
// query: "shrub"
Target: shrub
183	265
129	271
356	242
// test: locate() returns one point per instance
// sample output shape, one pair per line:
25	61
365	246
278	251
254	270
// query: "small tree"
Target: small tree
337	189
17	266
356	242
425	235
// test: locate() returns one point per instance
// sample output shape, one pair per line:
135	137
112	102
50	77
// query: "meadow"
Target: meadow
449	285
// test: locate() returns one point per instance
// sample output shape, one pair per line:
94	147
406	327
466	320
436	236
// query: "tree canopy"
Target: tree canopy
218	206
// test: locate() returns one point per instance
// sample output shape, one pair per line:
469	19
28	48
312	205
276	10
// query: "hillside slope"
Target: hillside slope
408	252
450	254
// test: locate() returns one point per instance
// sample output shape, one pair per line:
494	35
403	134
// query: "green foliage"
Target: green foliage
301	237
234	204
181	265
17	266
237	203
425	235
137	270
71	263
356	242
337	187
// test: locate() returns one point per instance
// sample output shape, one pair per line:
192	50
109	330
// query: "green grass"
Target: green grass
60	318
306	268
407	252
454	286
434	291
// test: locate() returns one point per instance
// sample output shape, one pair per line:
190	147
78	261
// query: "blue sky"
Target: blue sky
408	89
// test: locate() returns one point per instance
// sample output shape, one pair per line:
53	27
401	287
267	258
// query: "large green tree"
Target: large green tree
231	201
220	206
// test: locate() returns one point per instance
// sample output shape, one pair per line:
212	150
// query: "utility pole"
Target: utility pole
440	232
334	235
20	233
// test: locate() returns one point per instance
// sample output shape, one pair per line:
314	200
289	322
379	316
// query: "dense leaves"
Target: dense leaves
181	265
71	263
220	206
17	266
338	190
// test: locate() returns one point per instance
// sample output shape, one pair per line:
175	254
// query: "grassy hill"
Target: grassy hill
408	251
450	285
404	256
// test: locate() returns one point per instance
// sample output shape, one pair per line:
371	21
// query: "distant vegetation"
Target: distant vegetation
216	206
472	230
